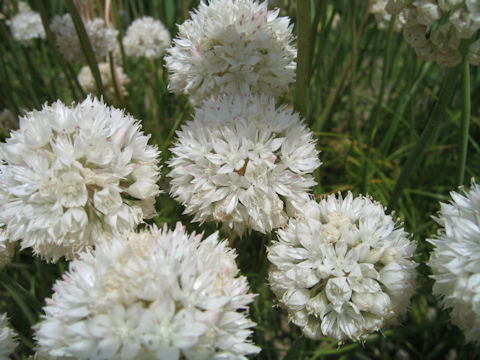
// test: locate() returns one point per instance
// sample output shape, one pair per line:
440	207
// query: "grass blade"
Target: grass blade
465	123
436	116
86	45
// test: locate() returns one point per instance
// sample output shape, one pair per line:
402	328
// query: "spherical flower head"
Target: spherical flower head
26	26
343	268
73	175
120	79
242	162
146	37
141	295
436	28
232	46
455	260
8	341
383	17
103	38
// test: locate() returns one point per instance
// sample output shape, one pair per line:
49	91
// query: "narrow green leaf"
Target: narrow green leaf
436	116
465	123
303	57
86	45
66	68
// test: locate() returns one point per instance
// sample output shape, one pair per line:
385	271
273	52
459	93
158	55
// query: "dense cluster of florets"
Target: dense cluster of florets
146	37
436	28
8	341
455	261
103	38
26	26
342	268
383	17
243	162
149	294
74	174
111	84
232	46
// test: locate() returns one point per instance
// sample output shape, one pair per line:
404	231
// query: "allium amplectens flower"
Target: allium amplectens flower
342	268
232	46
157	294
74	174
102	38
435	28
455	261
87	81
26	26
146	37
8	342
242	162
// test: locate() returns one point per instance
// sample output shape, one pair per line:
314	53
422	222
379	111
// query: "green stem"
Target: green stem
303	57
63	64
86	45
116	86
134	9
465	123
436	116
15	48
378	105
404	101
353	97
335	93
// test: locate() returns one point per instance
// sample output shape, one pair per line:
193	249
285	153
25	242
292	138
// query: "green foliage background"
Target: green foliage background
366	96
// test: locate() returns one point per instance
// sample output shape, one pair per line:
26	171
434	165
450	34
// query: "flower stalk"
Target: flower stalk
465	123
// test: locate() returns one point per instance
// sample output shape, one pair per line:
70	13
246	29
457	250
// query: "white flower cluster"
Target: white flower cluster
72	175
146	37
455	261
8	342
383	17
232	46
26	26
87	81
343	268
103	38
436	28
242	162
154	294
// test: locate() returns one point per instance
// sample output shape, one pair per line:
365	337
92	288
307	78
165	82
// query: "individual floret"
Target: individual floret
8	341
342	268
232	46
103	38
455	260
146	37
157	294
242	162
75	174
